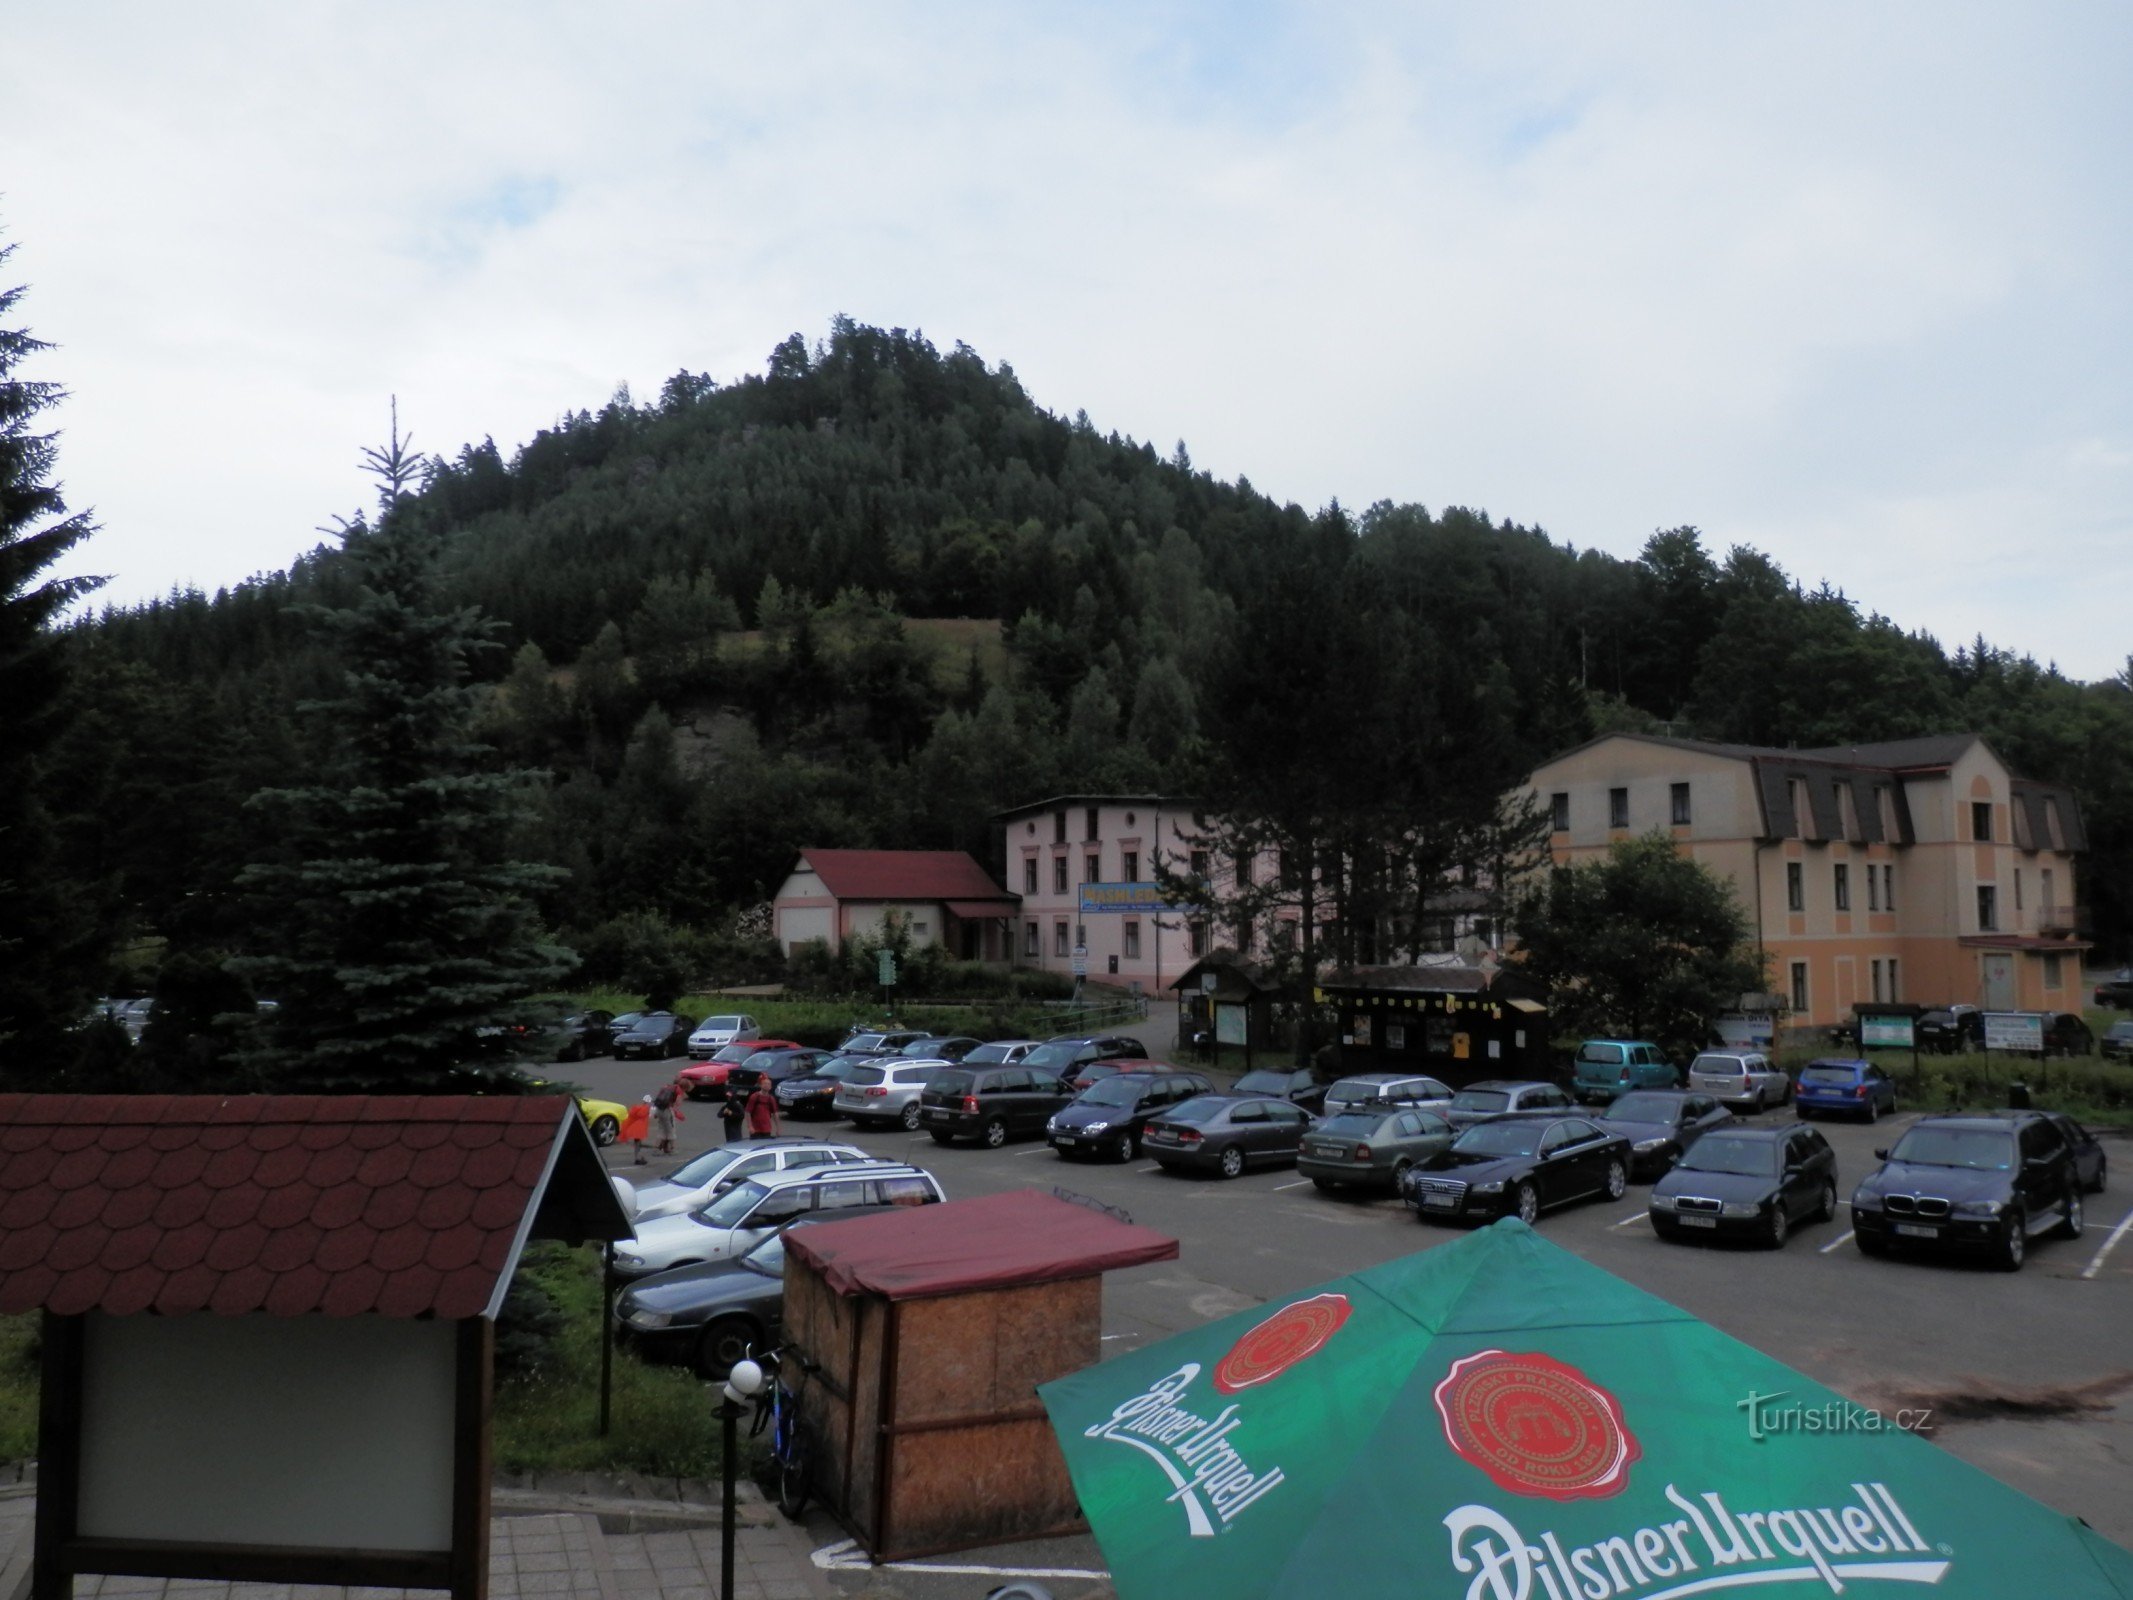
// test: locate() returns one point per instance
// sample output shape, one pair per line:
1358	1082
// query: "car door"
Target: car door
1285	1129
1880	1088
1699	1114
1249	1129
2042	1177
1556	1164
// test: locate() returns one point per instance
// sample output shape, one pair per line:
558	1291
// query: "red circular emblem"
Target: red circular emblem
1277	1344
1536	1426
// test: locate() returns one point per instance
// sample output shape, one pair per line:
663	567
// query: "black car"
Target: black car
1981	1182
990	1104
583	1034
939	1047
1494	1097
1518	1166
1065	1056
2091	1168
2117	1042
2116	991
655	1035
1747	1182
1300	1084
2067	1035
1951	1030
1661	1123
712	1314
1109	1116
1226	1133
812	1091
780	1067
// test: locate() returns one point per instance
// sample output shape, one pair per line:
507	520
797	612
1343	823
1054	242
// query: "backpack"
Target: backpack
664	1100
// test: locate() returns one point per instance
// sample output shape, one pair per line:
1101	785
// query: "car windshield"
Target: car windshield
731	1206
1722	1066
992	1054
1263	1083
1828	1075
1353	1124
706	1167
768	1258
836	1067
1201	1108
1937	1019
1122	1089
2120	1030
1052	1058
1606	1055
1643	1108
865	1041
1499	1139
1980	1149
864	1075
1351	1089
733	1052
720	1024
1480	1100
1718	1152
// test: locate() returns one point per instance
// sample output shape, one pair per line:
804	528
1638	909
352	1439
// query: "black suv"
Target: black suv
1066	1055
990	1104
1109	1117
1952	1030
1982	1181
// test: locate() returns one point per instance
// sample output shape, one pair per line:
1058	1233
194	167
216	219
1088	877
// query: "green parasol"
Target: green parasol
1500	1420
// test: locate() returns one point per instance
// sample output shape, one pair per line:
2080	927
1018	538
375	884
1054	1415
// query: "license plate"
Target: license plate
1442	1202
1917	1230
1063	1141
934	1114
1697	1222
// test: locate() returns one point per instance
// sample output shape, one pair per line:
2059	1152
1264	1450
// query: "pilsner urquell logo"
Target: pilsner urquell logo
1536	1426
1208	1476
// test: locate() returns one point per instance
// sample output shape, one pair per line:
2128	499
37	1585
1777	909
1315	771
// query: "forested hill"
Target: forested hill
876	593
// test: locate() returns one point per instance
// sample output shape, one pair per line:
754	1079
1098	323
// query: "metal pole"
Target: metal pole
607	1334
728	1415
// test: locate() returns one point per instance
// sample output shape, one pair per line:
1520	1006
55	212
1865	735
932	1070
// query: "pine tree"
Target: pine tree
400	926
50	946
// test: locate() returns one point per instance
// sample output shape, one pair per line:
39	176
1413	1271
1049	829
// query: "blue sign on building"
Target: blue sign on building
1100	898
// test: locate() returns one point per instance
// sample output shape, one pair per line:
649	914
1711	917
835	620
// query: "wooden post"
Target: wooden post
58	1458
470	1464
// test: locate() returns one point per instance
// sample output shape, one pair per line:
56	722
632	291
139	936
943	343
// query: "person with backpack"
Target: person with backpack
636	1123
733	1111
666	1111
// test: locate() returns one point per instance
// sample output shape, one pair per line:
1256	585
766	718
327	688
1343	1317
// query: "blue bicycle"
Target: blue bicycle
777	1407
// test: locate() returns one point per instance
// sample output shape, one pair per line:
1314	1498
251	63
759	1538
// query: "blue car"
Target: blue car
1846	1088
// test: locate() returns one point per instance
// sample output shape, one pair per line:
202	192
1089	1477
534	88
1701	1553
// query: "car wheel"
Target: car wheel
1126	1147
1805	1114
909	1117
2071	1221
2014	1248
1400	1169
1326	1185
1873	1109
1232	1161
1617	1180
1826	1207
942	1136
2102	1176
604	1131
1775	1229
994	1134
724	1341
1527	1202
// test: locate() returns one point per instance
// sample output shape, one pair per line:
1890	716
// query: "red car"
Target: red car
706	1080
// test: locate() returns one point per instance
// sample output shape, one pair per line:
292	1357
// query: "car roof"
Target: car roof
1992	1121
1508	1083
843	1169
1748	1130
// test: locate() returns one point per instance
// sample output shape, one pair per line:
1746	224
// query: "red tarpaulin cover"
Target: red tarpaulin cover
997	1241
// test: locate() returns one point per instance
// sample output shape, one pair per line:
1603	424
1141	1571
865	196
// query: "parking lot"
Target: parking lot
2029	1374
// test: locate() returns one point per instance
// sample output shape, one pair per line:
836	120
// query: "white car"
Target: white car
715	1033
696	1183
752	1211
1740	1078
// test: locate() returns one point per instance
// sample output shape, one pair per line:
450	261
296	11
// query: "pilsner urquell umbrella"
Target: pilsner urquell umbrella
1496	1419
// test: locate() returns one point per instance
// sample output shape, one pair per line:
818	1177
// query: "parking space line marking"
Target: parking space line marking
1638	1216
1843	1238
1158	1167
1298	1184
1041	1150
2103	1254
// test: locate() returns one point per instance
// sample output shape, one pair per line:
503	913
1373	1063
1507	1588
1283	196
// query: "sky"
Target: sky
1844	283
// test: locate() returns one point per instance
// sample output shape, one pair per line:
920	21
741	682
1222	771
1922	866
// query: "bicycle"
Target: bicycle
777	1408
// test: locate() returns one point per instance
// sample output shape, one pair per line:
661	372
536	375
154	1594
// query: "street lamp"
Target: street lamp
743	1383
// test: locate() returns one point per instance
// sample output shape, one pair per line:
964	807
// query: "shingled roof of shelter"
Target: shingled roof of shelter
401	1206
903	875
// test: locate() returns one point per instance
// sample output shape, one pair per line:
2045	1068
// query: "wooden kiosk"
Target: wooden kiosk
925	1334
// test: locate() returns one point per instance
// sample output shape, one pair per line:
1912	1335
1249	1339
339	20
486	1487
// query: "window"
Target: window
1618	808
1795	887
1029	875
1559	812
1059	872
1841	883
2018	888
1799	988
1093	868
1284	931
1895	989
1802	815
2055	836
1680	801
1059	827
1988	908
1196	938
1059	938
1873	887
1244	935
2051	970
1029	940
1877	977
1244	869
1888	889
1981	821
1132	937
1199	865
1093	833
2044	892
920	928
1129	866
1286	864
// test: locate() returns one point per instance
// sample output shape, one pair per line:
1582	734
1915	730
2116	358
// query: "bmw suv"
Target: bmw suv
1981	1182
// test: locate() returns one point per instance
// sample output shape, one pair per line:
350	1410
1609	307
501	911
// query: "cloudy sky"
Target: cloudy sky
1848	283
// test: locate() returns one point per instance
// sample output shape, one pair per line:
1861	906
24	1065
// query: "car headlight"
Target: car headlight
1495	1187
1095	1127
649	1319
1662	1202
1862	1200
1980	1208
1645	1147
1740	1208
624	1258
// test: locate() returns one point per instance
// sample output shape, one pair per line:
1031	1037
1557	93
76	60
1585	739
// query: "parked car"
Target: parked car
1094	1072
706	1080
875	1042
1492	1097
990	1104
1386	1089
1844	1087
1950	1030
939	1047
751	1211
1605	1068
1000	1052
1661	1123
1109	1116
1226	1133
2116	991
779	1067
620	1024
2117	1042
712	1315
1740	1078
1065	1056
2091	1168
1981	1182
1751	1182
699	1181
582	1034
714	1033
876	1093
1371	1146
655	1035
603	1118
2065	1034
1518	1166
1301	1085
814	1093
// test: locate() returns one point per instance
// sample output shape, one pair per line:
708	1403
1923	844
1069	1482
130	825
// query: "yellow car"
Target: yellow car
603	1117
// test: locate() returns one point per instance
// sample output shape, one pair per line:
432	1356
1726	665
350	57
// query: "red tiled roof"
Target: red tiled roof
405	1206
903	875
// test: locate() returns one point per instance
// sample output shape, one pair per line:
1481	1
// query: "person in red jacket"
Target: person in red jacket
762	1111
636	1123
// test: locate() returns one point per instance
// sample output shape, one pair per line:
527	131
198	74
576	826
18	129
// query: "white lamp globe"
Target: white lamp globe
745	1379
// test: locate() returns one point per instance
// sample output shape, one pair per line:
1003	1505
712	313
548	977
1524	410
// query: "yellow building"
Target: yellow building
1917	870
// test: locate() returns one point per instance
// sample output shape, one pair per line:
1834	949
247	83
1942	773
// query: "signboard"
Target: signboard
2018	1031
1107	897
1896	1033
1747	1030
1081	961
1231	1024
885	968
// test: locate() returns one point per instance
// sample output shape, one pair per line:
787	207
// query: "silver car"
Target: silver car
876	1094
725	1166
1740	1078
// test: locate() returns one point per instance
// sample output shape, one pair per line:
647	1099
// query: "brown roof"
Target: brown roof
905	875
402	1206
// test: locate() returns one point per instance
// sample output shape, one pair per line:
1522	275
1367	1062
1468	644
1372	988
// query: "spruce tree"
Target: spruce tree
402	930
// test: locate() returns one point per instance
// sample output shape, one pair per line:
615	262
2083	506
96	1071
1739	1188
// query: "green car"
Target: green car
1608	1067
1369	1147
